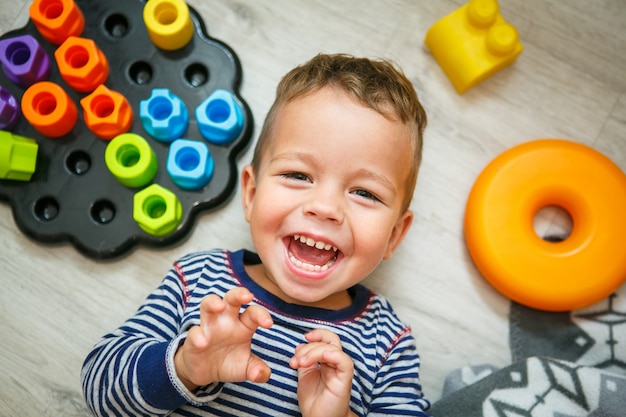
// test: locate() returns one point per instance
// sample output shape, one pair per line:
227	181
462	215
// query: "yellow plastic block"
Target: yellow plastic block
473	43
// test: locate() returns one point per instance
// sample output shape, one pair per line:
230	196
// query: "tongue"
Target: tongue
310	254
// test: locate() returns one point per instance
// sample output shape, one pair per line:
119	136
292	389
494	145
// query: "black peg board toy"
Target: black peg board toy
72	195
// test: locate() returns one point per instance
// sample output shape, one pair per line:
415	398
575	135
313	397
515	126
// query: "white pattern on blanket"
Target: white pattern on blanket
564	365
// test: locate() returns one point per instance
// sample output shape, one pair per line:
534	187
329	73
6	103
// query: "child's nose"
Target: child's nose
326	204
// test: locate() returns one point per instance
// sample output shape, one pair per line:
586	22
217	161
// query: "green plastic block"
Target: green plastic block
18	156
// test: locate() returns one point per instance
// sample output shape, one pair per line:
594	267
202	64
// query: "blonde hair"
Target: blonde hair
376	84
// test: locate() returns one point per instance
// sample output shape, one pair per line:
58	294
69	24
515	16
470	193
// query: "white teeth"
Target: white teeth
311	242
310	267
300	238
318	245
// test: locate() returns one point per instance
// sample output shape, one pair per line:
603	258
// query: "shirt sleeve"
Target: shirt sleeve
398	390
131	370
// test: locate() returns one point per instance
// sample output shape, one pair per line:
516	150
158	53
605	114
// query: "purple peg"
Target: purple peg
9	110
24	60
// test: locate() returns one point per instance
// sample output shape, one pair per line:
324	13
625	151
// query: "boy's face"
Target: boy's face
325	207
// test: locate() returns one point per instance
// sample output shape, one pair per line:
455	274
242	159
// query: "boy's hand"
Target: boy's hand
325	375
218	350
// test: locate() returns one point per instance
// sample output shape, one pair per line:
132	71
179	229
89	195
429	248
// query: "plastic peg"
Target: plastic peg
157	210
9	110
220	117
131	160
163	115
168	23
107	113
49	109
18	156
190	164
24	61
82	64
57	20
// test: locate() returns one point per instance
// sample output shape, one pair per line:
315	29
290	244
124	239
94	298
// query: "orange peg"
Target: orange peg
107	113
56	20
49	109
82	64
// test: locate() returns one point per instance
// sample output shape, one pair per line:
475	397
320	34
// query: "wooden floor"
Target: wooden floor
569	82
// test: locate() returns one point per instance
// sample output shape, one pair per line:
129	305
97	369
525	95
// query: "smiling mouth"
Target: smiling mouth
311	255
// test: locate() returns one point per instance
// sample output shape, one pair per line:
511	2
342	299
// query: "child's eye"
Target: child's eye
366	194
299	176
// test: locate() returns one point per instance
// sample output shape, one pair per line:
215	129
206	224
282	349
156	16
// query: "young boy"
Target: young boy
289	330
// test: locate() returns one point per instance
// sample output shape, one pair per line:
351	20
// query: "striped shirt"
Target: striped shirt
131	370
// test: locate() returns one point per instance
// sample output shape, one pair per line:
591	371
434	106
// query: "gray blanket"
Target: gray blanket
564	365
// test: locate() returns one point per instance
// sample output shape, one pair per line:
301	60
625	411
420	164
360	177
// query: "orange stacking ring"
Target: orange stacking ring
581	270
49	109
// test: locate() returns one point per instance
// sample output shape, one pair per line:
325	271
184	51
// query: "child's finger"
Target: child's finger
313	353
196	339
337	359
236	297
255	316
320	340
323	336
211	304
258	371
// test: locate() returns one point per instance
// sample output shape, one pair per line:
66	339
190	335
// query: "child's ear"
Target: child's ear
399	231
248	190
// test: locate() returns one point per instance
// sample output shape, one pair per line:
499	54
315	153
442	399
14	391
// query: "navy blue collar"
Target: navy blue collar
360	295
